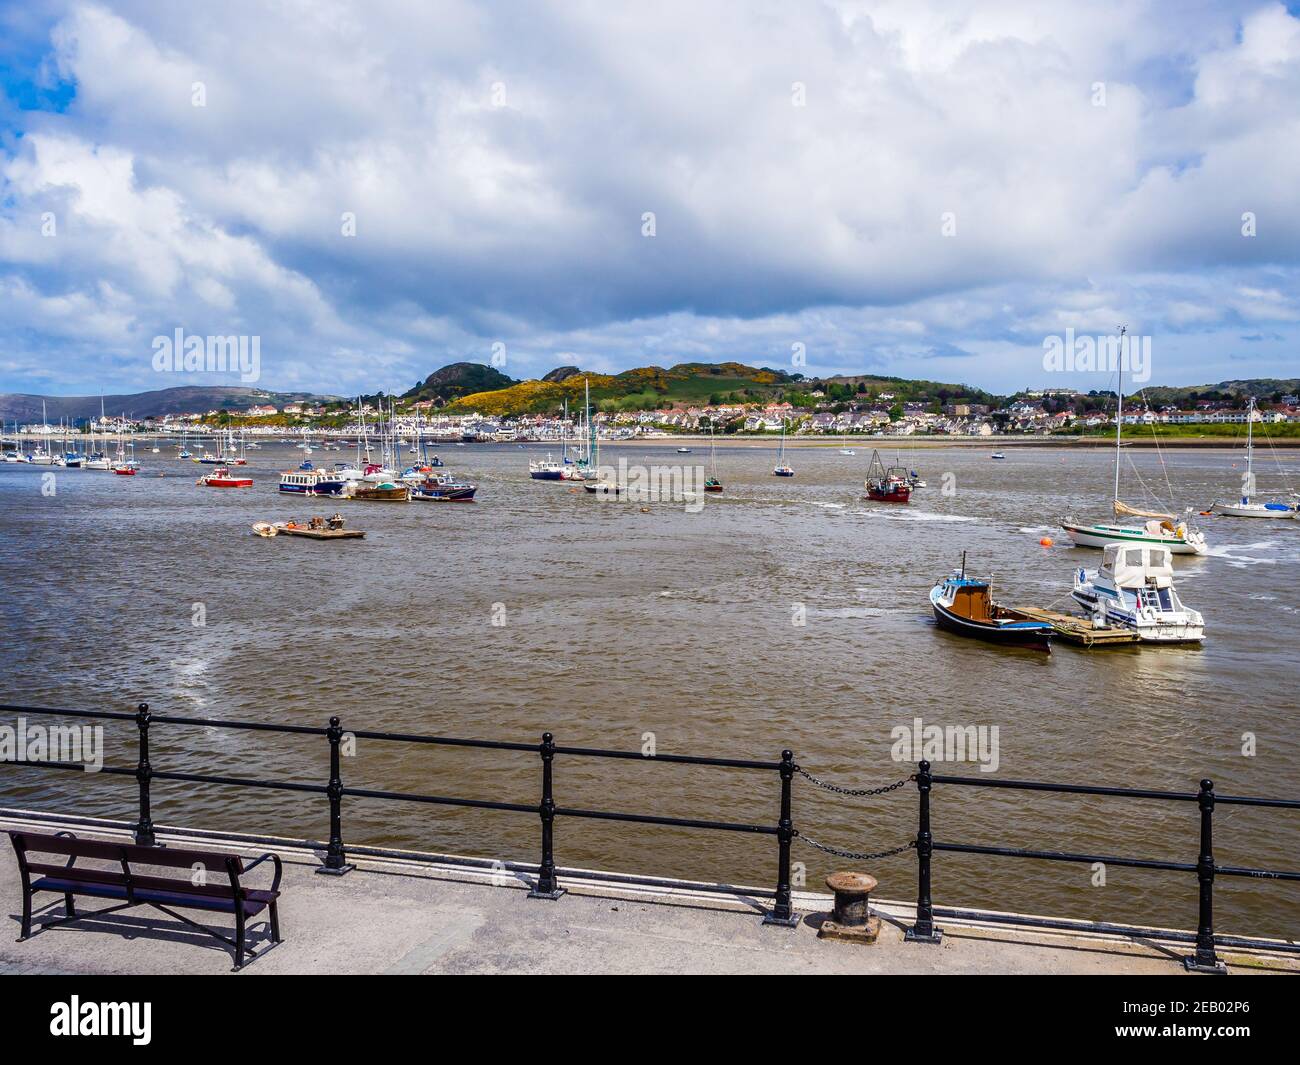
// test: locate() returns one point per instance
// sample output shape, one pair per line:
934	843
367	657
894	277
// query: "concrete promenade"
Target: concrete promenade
398	915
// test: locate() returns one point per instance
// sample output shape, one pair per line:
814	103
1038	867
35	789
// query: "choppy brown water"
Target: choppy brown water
621	622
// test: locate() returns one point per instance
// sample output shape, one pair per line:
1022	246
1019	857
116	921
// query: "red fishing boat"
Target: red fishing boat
220	478
890	485
124	470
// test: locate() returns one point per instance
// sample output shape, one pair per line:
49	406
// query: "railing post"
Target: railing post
1205	960
924	930
336	859
782	911
144	774
547	887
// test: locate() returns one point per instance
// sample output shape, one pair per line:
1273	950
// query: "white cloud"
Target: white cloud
522	222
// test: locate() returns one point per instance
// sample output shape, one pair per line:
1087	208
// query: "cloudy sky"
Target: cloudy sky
378	188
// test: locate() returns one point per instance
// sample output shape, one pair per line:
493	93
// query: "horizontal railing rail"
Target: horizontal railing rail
1203	960
546	884
546	809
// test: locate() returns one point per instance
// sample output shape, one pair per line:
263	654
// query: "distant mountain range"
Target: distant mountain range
465	387
20	407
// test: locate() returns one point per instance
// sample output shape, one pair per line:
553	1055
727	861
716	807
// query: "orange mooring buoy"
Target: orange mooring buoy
1046	541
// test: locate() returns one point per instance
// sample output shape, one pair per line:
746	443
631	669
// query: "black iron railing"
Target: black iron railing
546	884
1203	960
336	863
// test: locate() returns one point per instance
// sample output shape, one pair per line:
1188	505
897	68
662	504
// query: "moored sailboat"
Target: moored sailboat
782	469
711	483
1162	529
1245	507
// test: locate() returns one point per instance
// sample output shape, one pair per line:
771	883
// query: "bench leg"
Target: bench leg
239	937
27	916
275	924
68	908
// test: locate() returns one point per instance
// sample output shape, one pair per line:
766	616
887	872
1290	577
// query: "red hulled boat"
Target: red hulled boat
220	478
890	485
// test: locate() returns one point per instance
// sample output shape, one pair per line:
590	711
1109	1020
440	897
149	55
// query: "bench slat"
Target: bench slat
252	906
168	857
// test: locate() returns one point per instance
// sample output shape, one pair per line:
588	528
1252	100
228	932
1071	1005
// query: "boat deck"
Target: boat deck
321	534
1078	629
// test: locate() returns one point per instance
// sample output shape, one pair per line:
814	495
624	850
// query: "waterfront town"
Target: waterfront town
1035	412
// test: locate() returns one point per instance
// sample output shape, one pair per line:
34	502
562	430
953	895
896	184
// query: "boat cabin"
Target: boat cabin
1143	576
968	598
1131	566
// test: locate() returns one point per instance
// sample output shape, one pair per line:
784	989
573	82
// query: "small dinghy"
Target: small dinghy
964	605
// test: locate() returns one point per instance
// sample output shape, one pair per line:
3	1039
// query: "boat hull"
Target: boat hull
444	495
1164	632
1100	536
893	494
1252	510
1030	636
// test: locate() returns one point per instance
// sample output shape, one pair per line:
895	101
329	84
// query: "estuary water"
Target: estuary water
784	613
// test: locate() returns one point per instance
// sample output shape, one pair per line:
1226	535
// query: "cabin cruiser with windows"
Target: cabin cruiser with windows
1134	589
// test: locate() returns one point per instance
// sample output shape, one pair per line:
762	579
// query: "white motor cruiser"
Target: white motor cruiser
1134	589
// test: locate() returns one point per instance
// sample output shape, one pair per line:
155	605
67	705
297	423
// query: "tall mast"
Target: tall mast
1250	446
1119	408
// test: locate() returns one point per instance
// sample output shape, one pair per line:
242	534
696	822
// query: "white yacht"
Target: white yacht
1134	589
1245	507
1179	535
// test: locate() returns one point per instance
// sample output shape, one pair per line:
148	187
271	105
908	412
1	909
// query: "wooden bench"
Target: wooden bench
218	889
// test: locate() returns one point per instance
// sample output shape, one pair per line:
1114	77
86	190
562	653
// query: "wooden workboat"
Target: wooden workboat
965	606
315	529
386	492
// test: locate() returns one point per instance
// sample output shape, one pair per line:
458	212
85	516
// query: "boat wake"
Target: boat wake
1228	553
916	515
826	506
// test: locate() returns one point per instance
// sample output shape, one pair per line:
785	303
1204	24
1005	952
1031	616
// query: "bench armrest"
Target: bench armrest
279	868
72	858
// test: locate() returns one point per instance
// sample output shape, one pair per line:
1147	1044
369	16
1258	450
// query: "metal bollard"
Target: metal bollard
851	919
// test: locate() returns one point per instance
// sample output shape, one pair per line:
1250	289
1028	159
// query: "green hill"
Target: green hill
459	379
645	388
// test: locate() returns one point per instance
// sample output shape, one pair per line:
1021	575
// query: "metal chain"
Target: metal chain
855	855
853	791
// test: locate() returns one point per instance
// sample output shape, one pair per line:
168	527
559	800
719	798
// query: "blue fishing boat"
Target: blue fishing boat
964	605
